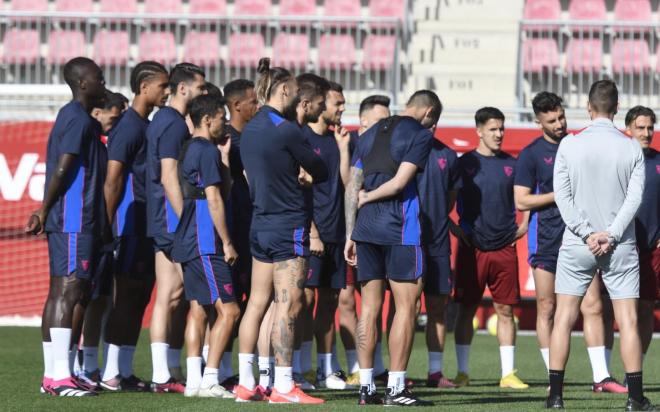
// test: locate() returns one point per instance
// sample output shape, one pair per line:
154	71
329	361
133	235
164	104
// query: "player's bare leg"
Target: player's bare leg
367	328
324	330
265	350
348	331
405	295
544	283
92	336
435	338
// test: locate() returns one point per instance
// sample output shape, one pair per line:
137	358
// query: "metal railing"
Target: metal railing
351	51
567	57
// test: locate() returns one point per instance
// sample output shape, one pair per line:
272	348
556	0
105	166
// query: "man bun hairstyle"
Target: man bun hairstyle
269	79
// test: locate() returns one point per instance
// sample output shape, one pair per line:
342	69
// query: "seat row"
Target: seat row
112	48
624	10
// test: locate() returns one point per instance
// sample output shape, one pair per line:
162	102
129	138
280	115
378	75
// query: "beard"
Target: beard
290	112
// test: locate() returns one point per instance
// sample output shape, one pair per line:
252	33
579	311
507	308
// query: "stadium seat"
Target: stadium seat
387	8
336	51
630	56
119	6
342	8
20	46
64	45
632	10
587	10
245	49
208	7
542	10
252	7
291	50
584	56
29	5
540	55
78	6
202	48
297	7
378	52
163	6
111	48
158	46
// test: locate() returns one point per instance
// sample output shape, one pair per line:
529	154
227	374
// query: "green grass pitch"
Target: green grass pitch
21	360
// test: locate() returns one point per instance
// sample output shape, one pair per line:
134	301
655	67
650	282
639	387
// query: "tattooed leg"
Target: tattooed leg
367	329
260	298
288	280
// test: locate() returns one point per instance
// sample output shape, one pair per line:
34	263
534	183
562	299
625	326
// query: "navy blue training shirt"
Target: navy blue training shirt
165	136
272	150
329	195
485	202
439	177
393	221
534	170
647	222
196	235
80	209
240	191
127	144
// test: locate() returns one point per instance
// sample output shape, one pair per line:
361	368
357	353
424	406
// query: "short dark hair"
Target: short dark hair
604	96
426	98
74	69
144	71
310	85
483	115
183	72
213	90
204	105
236	89
114	99
374	100
639	111
335	87
269	79
545	102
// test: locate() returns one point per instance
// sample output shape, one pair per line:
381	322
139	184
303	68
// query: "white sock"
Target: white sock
205	352
283	379
60	339
306	356
90	358
506	359
48	359
161	373
335	359
545	354
324	362
210	377
194	372
367	379
105	354
435	362
463	358
111	363
396	381
598	363
126	354
264	371
351	360
608	357
74	364
379	367
173	358
226	369
295	362
245	374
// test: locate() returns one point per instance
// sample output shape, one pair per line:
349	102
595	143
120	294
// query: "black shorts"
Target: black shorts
543	262
329	270
393	262
207	279
278	245
163	243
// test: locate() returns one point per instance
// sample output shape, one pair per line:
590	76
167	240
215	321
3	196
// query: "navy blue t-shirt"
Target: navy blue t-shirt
393	221
196	235
165	136
81	208
329	195
485	202
439	177
534	170
240	191
127	144
272	150
647	222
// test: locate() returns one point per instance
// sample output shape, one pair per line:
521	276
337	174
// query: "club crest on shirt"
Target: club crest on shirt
228	288
508	170
84	264
442	163
317	150
657	169
548	160
471	171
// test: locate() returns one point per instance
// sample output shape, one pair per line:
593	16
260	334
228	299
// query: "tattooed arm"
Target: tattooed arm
350	207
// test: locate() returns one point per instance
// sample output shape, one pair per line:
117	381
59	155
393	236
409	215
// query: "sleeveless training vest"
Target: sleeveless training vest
379	159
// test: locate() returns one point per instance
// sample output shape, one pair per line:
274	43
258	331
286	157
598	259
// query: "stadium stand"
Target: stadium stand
297	8
118	6
158	46
337	51
291	51
64	45
20	47
202	48
252	7
630	56
587	10
585	55
82	6
163	6
111	48
29	5
379	52
245	49
540	55
213	7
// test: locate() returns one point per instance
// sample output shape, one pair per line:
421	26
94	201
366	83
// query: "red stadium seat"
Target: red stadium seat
163	6
378	52
119	6
202	48
342	8
632	10
208	7
245	49
158	46
252	7
291	50
111	48
83	6
297	7
630	56
387	8
336	51
542	10
64	45
20	46
584	55
587	10
540	55
29	5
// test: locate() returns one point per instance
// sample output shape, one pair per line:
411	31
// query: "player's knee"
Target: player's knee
545	307
504	312
231	312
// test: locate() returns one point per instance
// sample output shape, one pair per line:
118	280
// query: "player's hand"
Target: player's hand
460	234
224	144
36	222
363	198
522	230
657	245
599	243
230	253
350	253
304	178
343	137
316	246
